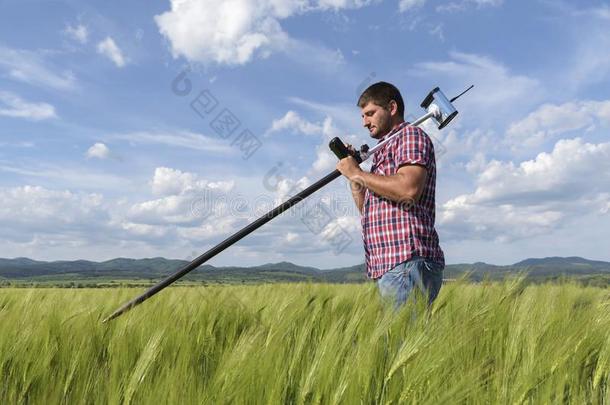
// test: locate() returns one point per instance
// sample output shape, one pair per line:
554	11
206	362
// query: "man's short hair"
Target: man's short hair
381	93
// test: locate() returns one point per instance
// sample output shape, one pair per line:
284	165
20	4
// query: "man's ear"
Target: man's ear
393	107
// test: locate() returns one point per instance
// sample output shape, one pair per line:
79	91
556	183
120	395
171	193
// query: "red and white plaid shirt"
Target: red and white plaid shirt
393	233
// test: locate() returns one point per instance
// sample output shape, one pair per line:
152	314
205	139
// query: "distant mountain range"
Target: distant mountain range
24	269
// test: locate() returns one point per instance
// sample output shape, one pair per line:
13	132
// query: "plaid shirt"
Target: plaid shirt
393	233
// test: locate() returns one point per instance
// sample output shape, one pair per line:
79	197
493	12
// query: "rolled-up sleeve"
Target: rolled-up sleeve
413	148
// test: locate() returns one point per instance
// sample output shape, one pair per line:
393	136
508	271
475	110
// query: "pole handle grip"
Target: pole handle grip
341	151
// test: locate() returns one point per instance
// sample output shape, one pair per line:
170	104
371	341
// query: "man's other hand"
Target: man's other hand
349	167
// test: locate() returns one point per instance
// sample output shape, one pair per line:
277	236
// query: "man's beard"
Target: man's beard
382	130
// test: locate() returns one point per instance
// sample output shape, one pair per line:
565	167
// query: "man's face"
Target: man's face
377	119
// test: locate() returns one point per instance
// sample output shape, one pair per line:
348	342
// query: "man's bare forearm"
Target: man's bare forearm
398	187
358	194
406	185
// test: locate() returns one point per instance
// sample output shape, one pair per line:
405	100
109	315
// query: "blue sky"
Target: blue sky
104	152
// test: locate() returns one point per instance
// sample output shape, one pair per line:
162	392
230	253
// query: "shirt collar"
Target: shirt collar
393	131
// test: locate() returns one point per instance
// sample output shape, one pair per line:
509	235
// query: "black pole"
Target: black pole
225	244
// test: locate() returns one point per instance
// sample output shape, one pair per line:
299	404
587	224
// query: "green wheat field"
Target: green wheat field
506	342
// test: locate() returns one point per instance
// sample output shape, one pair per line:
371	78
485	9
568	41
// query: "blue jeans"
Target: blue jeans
398	283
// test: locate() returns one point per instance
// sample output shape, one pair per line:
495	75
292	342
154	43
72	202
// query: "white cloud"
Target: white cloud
25	144
144	230
587	65
27	210
78	33
343	221
602	12
167	210
406	5
66	225
234	32
583	65
291	237
496	87
177	138
287	188
463	4
327	129
168	181
30	67
109	49
68	176
574	11
325	159
11	105
190	208
315	56
219	226
551	120
61	218
350	224
185	199
347	116
454	146
98	150
534	197
292	122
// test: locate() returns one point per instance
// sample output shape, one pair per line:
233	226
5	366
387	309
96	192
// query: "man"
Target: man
396	200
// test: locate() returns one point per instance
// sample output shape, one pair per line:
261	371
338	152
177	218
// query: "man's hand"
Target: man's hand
349	167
